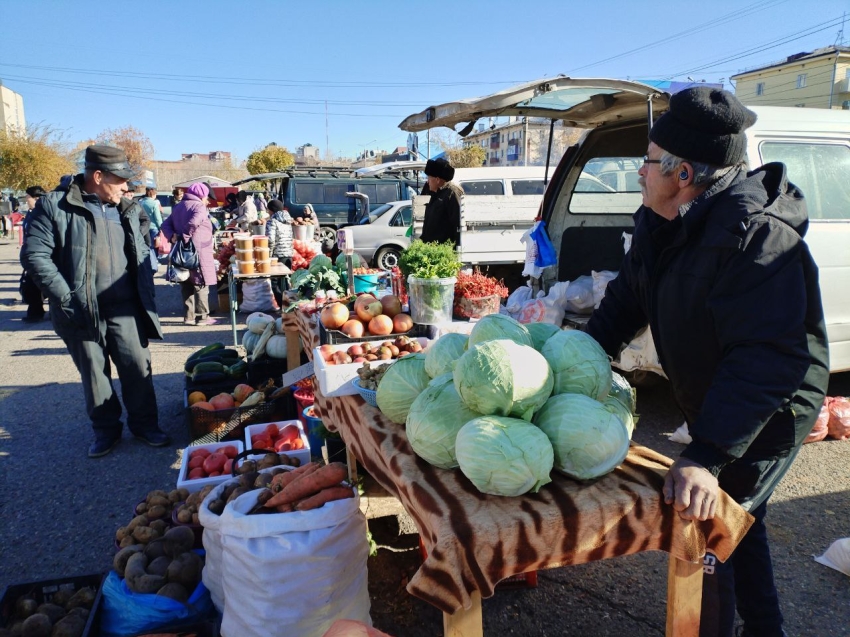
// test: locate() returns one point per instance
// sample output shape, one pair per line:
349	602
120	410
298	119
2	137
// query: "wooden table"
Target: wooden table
233	275
474	540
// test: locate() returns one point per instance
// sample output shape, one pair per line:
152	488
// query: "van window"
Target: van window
335	193
820	170
528	186
379	193
608	185
306	192
474	188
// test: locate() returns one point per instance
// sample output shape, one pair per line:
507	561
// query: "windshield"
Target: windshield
374	213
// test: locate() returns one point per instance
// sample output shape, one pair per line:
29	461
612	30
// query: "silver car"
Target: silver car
381	238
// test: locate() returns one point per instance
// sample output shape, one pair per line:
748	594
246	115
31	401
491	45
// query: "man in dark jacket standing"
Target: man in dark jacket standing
442	213
85	250
719	270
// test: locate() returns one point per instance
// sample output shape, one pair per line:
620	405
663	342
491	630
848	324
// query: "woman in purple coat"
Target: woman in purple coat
191	219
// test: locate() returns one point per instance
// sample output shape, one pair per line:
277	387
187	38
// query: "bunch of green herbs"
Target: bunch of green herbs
429	260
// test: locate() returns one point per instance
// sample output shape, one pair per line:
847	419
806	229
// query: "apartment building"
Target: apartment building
819	79
11	110
520	141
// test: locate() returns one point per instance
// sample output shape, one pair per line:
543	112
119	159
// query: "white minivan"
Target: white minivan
587	226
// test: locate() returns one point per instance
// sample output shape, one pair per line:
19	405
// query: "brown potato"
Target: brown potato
160	526
37	625
121	533
175	591
157	512
127	541
119	562
159	566
139	520
178	540
54	613
184	516
69	626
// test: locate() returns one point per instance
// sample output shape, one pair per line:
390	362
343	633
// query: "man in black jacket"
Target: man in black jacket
85	250
719	270
442	213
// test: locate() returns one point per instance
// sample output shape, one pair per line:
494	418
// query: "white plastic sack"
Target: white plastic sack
517	299
530	268
257	296
600	282
640	354
293	573
627	242
580	295
548	308
681	435
837	556
212	573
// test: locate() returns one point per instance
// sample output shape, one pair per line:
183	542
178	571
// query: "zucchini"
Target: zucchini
209	377
205	350
238	370
209	366
219	356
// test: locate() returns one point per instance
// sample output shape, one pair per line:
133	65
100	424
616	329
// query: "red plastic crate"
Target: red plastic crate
523	580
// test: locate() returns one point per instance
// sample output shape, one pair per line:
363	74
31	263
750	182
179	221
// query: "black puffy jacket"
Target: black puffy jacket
58	255
442	215
730	291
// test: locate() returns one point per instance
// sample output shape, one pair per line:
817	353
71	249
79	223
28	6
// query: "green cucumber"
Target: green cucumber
205	350
238	370
209	366
208	377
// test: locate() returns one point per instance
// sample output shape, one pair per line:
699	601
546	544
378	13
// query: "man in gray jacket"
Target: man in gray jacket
85	250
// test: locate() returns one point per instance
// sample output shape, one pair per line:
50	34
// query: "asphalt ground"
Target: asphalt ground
59	509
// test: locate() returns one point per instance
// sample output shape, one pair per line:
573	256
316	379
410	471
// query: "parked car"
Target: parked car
381	238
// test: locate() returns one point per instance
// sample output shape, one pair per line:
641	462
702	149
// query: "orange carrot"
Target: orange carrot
284	478
325	495
328	476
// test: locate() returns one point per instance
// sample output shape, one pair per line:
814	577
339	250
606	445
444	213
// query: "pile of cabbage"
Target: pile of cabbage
510	402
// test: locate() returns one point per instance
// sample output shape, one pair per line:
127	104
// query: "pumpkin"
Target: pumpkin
278	325
257	322
276	347
249	341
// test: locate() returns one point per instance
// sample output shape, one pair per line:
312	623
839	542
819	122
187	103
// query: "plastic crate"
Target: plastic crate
183	481
523	580
334	337
260	371
44	590
229	424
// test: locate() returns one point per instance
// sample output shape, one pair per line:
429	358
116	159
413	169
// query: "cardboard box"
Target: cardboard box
199	483
303	454
335	380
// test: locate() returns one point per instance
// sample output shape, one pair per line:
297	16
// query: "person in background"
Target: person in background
442	212
260	203
190	219
720	271
279	232
176	196
84	250
247	212
30	292
5	211
153	208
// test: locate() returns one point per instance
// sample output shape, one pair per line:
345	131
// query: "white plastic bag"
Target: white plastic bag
212	574
640	354
600	282
294	573
681	435
580	295
548	308
517	299
257	296
530	268
837	556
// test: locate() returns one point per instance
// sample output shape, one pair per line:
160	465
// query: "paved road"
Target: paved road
59	509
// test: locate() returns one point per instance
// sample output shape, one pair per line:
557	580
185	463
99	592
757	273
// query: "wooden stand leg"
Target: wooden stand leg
293	349
465	623
684	597
351	461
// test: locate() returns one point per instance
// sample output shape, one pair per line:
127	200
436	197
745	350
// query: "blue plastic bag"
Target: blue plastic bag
546	254
128	613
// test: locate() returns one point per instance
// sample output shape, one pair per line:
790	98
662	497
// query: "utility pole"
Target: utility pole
525	150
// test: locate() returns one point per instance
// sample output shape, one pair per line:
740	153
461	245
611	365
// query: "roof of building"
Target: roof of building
796	58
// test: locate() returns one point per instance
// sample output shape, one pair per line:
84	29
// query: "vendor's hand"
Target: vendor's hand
692	490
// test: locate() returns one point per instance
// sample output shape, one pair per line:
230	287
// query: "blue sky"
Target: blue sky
234	76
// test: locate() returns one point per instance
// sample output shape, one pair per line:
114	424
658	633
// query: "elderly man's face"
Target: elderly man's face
659	191
108	187
435	183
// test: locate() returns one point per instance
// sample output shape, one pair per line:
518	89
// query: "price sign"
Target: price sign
344	241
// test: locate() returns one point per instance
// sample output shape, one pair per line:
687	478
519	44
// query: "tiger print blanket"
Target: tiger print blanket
476	540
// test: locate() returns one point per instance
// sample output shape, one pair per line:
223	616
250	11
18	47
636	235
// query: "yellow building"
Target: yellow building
820	79
11	110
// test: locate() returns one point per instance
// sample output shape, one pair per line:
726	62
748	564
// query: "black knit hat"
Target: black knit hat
275	205
439	168
706	125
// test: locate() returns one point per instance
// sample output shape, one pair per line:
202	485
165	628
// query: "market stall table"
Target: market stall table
476	540
233	275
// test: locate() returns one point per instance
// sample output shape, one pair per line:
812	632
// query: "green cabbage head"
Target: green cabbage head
579	363
622	412
622	391
504	456
434	419
589	441
442	353
499	326
320	261
540	333
400	385
501	378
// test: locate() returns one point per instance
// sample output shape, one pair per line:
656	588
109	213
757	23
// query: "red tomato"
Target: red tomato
214	474
262	443
230	451
214	462
298	443
196	473
282	445
197	461
272	430
199	453
290	432
228	466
